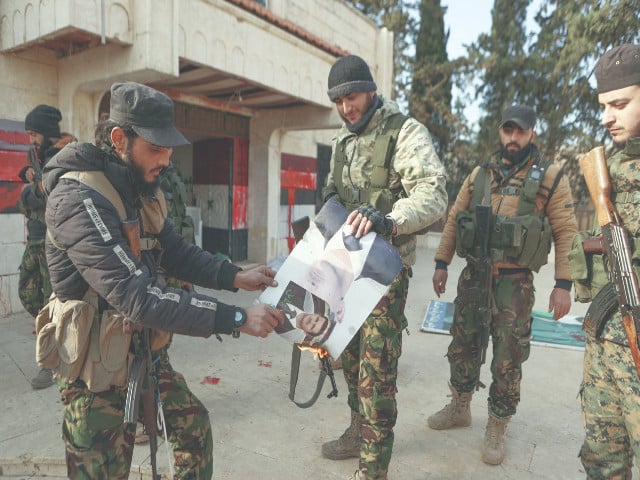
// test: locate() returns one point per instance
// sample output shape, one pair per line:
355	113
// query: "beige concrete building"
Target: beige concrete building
249	82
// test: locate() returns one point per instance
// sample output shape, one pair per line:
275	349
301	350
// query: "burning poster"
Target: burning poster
331	281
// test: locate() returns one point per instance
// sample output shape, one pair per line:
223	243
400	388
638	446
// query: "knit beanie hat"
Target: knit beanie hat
44	119
350	74
618	68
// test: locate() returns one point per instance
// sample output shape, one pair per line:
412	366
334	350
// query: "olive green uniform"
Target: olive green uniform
513	294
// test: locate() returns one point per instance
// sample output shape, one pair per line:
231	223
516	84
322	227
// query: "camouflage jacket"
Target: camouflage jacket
624	170
415	166
175	192
553	197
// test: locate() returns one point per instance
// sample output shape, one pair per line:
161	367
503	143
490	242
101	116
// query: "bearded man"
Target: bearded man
530	205
107	235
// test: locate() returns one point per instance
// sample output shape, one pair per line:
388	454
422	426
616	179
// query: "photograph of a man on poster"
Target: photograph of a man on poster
331	281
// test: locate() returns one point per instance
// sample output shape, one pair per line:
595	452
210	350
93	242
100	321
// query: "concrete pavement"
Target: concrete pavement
259	433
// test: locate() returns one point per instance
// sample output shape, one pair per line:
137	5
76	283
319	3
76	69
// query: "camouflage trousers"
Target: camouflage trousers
513	299
100	446
370	363
34	287
609	395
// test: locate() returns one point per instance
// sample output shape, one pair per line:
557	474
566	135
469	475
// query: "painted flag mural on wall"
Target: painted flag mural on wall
14	145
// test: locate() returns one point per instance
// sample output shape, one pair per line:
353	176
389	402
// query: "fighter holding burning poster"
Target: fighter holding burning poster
331	281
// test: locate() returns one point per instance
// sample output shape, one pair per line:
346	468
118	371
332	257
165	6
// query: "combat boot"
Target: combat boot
43	379
360	475
493	450
456	414
348	445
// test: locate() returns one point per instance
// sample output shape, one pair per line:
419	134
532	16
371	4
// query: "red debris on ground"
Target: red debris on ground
210	380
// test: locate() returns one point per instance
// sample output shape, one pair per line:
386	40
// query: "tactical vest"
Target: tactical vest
588	269
378	194
74	338
523	240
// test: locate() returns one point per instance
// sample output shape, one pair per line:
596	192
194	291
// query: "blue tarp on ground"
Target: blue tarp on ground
563	333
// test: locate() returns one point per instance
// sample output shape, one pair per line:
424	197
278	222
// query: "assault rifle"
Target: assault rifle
616	245
483	271
142	389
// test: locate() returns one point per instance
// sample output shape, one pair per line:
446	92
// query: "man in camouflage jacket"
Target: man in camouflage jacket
395	200
610	385
512	278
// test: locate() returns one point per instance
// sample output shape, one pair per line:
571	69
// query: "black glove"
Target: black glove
381	224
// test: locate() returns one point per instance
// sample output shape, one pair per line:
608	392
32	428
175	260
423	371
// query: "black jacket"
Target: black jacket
91	251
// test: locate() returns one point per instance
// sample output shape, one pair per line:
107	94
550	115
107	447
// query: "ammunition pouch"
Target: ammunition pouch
76	344
465	232
587	269
63	336
522	240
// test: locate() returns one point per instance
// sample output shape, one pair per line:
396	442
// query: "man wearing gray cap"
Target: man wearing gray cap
529	203
610	385
385	171
107	235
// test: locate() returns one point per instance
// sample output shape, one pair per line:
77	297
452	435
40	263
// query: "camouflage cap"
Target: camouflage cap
618	68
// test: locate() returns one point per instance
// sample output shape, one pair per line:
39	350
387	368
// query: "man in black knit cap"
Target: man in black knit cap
385	171
34	287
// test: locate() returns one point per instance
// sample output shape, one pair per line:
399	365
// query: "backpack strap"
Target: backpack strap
530	187
384	150
98	181
483	180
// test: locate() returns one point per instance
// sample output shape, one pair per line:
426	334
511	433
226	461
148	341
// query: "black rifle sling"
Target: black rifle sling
295	370
383	152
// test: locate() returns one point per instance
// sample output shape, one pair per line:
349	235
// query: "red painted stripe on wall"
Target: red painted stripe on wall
298	162
11	162
10	136
241	161
239	212
302	180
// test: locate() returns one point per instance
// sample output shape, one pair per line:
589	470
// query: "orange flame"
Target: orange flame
318	352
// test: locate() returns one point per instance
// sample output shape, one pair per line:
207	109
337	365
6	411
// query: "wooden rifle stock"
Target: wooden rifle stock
596	176
616	244
131	231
